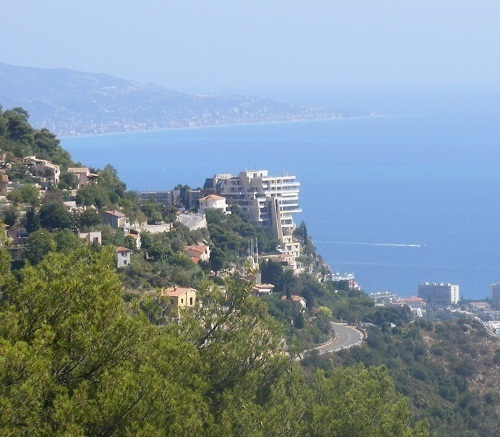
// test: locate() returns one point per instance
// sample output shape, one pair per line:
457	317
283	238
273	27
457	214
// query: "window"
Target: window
191	301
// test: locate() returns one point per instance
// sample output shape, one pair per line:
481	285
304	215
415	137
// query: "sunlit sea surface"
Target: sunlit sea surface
396	200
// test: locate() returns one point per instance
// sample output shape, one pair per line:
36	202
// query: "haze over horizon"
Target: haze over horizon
351	49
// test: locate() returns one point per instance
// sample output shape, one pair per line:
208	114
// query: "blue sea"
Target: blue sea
397	200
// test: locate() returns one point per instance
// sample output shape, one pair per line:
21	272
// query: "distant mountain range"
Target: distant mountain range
70	102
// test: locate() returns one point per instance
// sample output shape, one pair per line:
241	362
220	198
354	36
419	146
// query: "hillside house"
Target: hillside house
115	219
197	253
83	175
122	257
262	289
212	201
416	305
44	169
94	237
300	300
180	299
136	238
4	183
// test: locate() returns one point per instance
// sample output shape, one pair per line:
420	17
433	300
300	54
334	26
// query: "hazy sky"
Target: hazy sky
240	46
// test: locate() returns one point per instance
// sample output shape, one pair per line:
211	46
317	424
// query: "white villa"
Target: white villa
212	201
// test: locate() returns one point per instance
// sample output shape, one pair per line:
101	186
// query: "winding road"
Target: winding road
345	337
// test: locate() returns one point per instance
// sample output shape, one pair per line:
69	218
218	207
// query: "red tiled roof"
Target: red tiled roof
413	299
296	298
265	286
115	213
212	197
176	291
123	249
200	249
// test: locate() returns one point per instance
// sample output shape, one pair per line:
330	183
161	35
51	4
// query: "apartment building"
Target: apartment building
439	293
161	197
495	295
264	199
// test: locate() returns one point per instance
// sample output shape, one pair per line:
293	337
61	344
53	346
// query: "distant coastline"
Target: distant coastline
224	125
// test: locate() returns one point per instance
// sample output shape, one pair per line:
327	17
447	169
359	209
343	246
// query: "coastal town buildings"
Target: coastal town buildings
495	295
287	261
494	328
300	300
136	239
382	298
192	199
160	197
416	305
439	292
265	200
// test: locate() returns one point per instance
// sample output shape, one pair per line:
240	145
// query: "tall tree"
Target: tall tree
38	245
67	344
32	220
54	216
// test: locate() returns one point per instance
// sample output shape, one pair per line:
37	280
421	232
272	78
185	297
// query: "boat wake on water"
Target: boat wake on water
353	243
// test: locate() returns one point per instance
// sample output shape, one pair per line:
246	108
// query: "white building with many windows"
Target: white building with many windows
264	199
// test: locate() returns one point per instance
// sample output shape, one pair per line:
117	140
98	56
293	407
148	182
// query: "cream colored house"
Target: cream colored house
83	174
93	237
43	169
180	299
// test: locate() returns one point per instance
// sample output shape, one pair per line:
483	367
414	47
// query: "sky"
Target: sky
260	47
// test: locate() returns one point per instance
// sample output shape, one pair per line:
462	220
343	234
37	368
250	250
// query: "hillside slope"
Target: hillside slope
448	370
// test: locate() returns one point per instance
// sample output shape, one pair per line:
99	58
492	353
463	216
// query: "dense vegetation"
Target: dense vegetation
75	359
448	371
